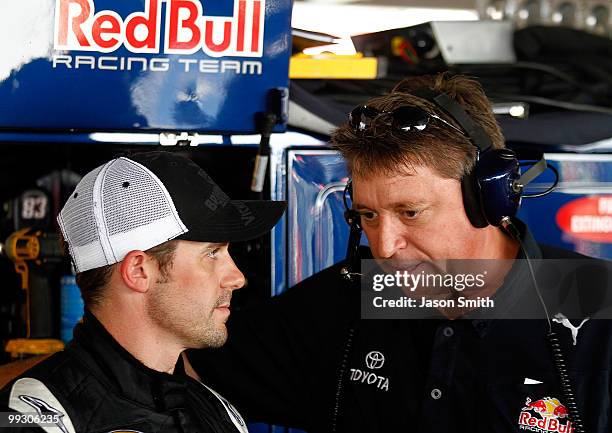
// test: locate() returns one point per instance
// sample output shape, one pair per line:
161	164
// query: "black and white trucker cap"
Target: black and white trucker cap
141	201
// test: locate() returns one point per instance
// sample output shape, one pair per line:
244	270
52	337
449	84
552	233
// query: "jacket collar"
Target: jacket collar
121	371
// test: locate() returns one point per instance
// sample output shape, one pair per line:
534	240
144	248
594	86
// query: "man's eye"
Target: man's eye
410	214
213	253
367	216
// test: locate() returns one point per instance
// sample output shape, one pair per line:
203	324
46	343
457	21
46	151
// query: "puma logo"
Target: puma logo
560	318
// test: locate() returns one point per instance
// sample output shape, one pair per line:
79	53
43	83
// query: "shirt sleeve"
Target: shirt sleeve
280	363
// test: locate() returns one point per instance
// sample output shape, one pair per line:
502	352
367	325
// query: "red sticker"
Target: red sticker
588	218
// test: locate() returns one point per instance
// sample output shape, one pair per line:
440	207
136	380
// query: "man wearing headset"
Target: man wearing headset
307	360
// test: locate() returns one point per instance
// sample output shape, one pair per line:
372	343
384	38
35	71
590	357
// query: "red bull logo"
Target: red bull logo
187	29
545	415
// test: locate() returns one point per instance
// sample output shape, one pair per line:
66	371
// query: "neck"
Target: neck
500	246
498	251
137	334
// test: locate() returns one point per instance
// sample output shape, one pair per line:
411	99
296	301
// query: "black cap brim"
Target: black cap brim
238	220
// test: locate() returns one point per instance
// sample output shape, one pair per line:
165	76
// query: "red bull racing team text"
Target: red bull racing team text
185	30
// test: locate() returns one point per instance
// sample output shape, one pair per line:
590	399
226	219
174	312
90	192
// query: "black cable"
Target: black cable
348	191
515	234
547	191
569	399
566	385
341	371
352	250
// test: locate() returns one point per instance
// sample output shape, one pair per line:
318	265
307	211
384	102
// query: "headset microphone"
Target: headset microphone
352	251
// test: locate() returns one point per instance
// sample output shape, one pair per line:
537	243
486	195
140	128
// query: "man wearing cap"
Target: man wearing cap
148	235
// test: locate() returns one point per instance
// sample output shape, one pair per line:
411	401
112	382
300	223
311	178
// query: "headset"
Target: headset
492	194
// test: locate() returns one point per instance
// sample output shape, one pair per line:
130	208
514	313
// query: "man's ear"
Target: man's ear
136	271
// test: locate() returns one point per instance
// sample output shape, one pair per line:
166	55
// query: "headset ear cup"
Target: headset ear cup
472	201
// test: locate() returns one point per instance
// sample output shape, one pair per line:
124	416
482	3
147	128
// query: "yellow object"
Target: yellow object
396	45
27	346
20	247
333	66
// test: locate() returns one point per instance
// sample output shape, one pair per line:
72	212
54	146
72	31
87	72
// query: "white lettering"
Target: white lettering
132	60
104	66
250	67
230	65
385	385
155	64
377	284
85	60
187	63
62	58
590	224
160	65
369	378
604	206
209	66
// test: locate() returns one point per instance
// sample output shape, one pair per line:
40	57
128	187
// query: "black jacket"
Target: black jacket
306	360
96	386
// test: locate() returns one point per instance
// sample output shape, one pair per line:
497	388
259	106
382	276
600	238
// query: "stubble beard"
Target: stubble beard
191	323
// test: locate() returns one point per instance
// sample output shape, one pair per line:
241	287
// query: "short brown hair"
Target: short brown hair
92	282
383	150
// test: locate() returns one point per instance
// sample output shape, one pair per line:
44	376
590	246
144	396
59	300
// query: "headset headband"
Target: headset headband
475	133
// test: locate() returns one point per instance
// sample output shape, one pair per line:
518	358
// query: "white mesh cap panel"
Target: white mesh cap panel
77	215
119	207
79	226
131	198
138	212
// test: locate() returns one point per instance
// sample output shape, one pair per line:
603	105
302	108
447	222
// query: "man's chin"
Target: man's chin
219	338
214	344
212	339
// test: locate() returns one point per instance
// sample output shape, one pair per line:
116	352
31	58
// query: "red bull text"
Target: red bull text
544	415
78	27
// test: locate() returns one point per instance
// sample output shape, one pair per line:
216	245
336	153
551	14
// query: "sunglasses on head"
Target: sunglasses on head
404	118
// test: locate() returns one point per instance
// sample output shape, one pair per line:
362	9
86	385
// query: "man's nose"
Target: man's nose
233	278
390	237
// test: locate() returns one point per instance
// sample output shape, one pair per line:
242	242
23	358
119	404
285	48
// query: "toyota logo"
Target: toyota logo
375	360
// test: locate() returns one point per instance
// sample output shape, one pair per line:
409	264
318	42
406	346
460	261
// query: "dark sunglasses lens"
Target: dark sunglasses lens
410	119
361	117
355	116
